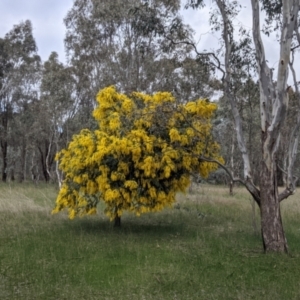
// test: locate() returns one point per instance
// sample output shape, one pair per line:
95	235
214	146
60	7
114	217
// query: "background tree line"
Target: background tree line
135	45
128	44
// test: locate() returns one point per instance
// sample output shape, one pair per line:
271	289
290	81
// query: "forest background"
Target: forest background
43	103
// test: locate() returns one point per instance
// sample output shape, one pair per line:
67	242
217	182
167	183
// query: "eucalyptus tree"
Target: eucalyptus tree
246	93
128	44
282	17
56	108
19	75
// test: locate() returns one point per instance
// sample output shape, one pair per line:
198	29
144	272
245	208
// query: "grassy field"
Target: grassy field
205	247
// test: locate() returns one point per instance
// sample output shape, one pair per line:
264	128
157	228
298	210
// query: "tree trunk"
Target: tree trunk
271	224
43	163
22	170
4	147
12	174
117	221
231	188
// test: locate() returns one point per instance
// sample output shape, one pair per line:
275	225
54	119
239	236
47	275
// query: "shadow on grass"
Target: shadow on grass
130	226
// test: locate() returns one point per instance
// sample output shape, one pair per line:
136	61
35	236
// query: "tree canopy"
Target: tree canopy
143	152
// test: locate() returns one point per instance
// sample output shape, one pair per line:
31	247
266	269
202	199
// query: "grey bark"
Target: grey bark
273	111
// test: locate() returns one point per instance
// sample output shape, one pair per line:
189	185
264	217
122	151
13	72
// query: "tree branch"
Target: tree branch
232	178
252	189
216	65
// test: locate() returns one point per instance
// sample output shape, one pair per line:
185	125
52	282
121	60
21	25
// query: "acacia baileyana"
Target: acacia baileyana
143	152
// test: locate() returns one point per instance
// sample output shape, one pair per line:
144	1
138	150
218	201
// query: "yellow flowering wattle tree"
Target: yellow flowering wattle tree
143	152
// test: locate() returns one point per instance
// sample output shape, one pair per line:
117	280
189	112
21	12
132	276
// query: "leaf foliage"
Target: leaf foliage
143	152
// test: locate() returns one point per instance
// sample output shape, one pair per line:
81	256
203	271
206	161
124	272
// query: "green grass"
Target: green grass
205	247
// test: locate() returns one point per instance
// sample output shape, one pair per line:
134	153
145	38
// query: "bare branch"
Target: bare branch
213	55
232	178
252	189
285	194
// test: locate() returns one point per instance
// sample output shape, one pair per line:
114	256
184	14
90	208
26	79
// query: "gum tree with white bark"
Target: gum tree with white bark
283	18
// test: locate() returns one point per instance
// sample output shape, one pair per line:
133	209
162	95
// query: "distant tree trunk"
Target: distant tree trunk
4	147
12	173
232	164
12	166
231	188
44	168
44	157
22	170
34	169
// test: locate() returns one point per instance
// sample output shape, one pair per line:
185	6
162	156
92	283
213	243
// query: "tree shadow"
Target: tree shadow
129	226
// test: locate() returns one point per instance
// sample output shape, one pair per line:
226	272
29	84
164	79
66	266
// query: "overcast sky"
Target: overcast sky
49	30
47	21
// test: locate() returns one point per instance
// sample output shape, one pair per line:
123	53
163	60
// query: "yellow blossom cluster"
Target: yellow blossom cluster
143	152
